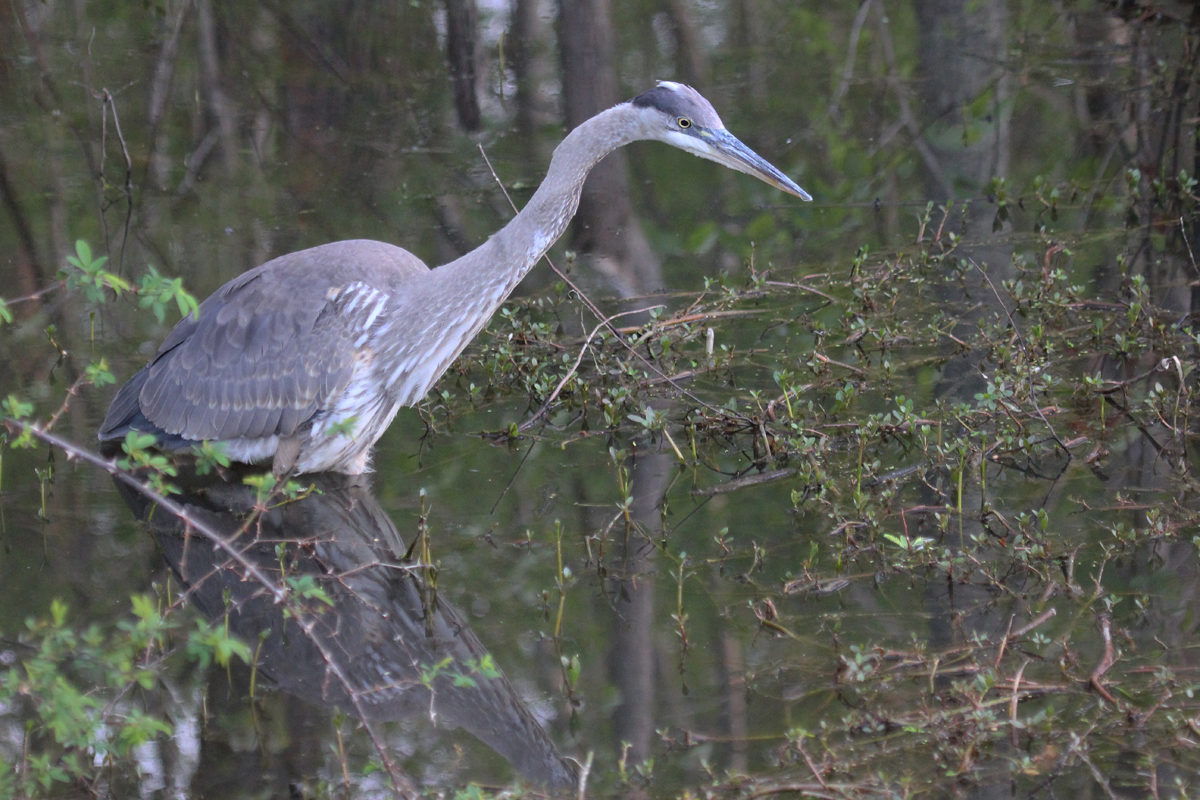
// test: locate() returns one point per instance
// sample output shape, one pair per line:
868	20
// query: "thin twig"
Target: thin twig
73	391
524	426
1004	642
800	746
584	773
806	789
110	466
53	287
701	316
802	287
1142	428
600	315
513	479
109	103
1097	775
827	360
1188	244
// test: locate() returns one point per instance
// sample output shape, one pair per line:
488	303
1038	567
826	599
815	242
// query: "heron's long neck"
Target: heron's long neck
501	262
455	301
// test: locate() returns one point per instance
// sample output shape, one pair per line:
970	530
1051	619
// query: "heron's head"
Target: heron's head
680	116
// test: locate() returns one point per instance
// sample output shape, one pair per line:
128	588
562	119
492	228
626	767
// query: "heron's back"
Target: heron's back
269	352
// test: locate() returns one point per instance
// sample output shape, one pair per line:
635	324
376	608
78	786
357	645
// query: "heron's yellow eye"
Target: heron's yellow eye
684	122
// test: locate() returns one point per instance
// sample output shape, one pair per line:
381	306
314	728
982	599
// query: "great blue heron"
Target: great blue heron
306	359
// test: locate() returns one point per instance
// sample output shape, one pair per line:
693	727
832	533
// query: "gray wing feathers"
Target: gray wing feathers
260	359
266	351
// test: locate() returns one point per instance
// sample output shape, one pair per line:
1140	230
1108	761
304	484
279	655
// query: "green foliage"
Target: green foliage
98	373
459	674
16	408
267	486
212	643
81	685
156	292
141	456
306	587
210	456
650	418
89	276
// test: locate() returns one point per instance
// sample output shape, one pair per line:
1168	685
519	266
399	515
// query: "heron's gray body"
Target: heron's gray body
307	358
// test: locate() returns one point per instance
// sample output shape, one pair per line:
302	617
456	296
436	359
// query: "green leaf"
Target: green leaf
156	292
137	440
82	257
98	373
16	408
144	607
209	456
306	587
209	643
58	612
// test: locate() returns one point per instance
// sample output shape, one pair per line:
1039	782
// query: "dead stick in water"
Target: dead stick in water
1036	622
1110	658
1021	631
1012	703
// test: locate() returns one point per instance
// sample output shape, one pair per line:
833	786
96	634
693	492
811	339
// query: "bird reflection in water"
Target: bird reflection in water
378	632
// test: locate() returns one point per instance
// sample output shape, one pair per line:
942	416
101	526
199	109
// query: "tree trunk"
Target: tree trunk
961	49
219	107
633	661
464	54
748	33
606	229
532	69
691	60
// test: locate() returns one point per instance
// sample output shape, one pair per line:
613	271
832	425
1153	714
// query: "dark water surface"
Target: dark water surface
919	522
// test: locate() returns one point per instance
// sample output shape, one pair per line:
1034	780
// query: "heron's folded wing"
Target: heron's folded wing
259	358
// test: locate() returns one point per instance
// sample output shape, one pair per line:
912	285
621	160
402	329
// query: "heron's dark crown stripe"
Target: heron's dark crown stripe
663	98
676	100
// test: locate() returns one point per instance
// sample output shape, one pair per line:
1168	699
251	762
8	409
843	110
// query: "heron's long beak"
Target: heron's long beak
727	149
